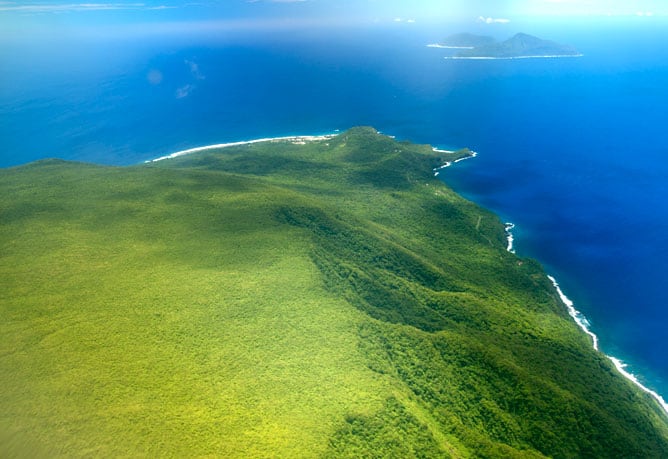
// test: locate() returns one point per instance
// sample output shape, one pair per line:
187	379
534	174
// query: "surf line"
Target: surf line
584	325
437	170
295	139
509	236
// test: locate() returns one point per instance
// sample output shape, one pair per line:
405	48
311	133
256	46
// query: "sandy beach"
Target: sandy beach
295	139
437	45
450	163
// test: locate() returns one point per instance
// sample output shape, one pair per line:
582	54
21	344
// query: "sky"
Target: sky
42	21
25	11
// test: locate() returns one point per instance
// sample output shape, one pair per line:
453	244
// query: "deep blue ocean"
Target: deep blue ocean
574	151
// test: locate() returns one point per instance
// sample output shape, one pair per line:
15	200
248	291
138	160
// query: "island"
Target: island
519	46
306	296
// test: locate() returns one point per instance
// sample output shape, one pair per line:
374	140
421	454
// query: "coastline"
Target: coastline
582	322
491	58
437	45
294	139
450	163
509	237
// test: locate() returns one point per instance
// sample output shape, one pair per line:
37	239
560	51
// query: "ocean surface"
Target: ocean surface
573	151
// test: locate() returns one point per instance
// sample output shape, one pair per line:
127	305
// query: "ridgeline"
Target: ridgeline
326	299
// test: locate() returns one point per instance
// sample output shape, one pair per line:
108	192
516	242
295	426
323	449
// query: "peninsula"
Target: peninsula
519	46
311	296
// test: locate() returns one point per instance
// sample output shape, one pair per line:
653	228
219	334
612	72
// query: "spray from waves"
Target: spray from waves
450	163
295	139
584	324
577	316
619	365
509	237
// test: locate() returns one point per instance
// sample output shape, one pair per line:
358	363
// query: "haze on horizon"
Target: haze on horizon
20	18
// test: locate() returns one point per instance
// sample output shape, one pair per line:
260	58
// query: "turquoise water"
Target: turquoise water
573	151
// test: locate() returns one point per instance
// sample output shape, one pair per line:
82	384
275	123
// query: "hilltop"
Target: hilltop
291	299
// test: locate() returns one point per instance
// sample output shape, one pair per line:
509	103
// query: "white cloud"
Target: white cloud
493	20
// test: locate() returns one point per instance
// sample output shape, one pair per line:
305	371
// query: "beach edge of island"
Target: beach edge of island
294	139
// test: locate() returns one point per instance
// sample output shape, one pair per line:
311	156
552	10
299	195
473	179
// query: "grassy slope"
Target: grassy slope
277	300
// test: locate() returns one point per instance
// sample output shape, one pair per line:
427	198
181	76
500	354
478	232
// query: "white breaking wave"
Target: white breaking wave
577	316
438	169
472	155
509	237
584	324
450	163
296	139
621	367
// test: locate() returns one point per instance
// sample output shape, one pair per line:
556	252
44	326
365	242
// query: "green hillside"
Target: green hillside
331	299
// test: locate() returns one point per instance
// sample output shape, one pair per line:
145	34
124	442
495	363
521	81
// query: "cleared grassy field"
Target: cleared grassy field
279	300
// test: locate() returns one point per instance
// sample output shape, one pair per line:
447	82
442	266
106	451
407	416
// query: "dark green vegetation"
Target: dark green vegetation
277	300
519	45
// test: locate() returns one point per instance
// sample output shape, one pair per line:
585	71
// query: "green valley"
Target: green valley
280	299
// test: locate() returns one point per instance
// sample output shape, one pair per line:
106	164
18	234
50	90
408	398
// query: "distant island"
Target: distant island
519	46
464	41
